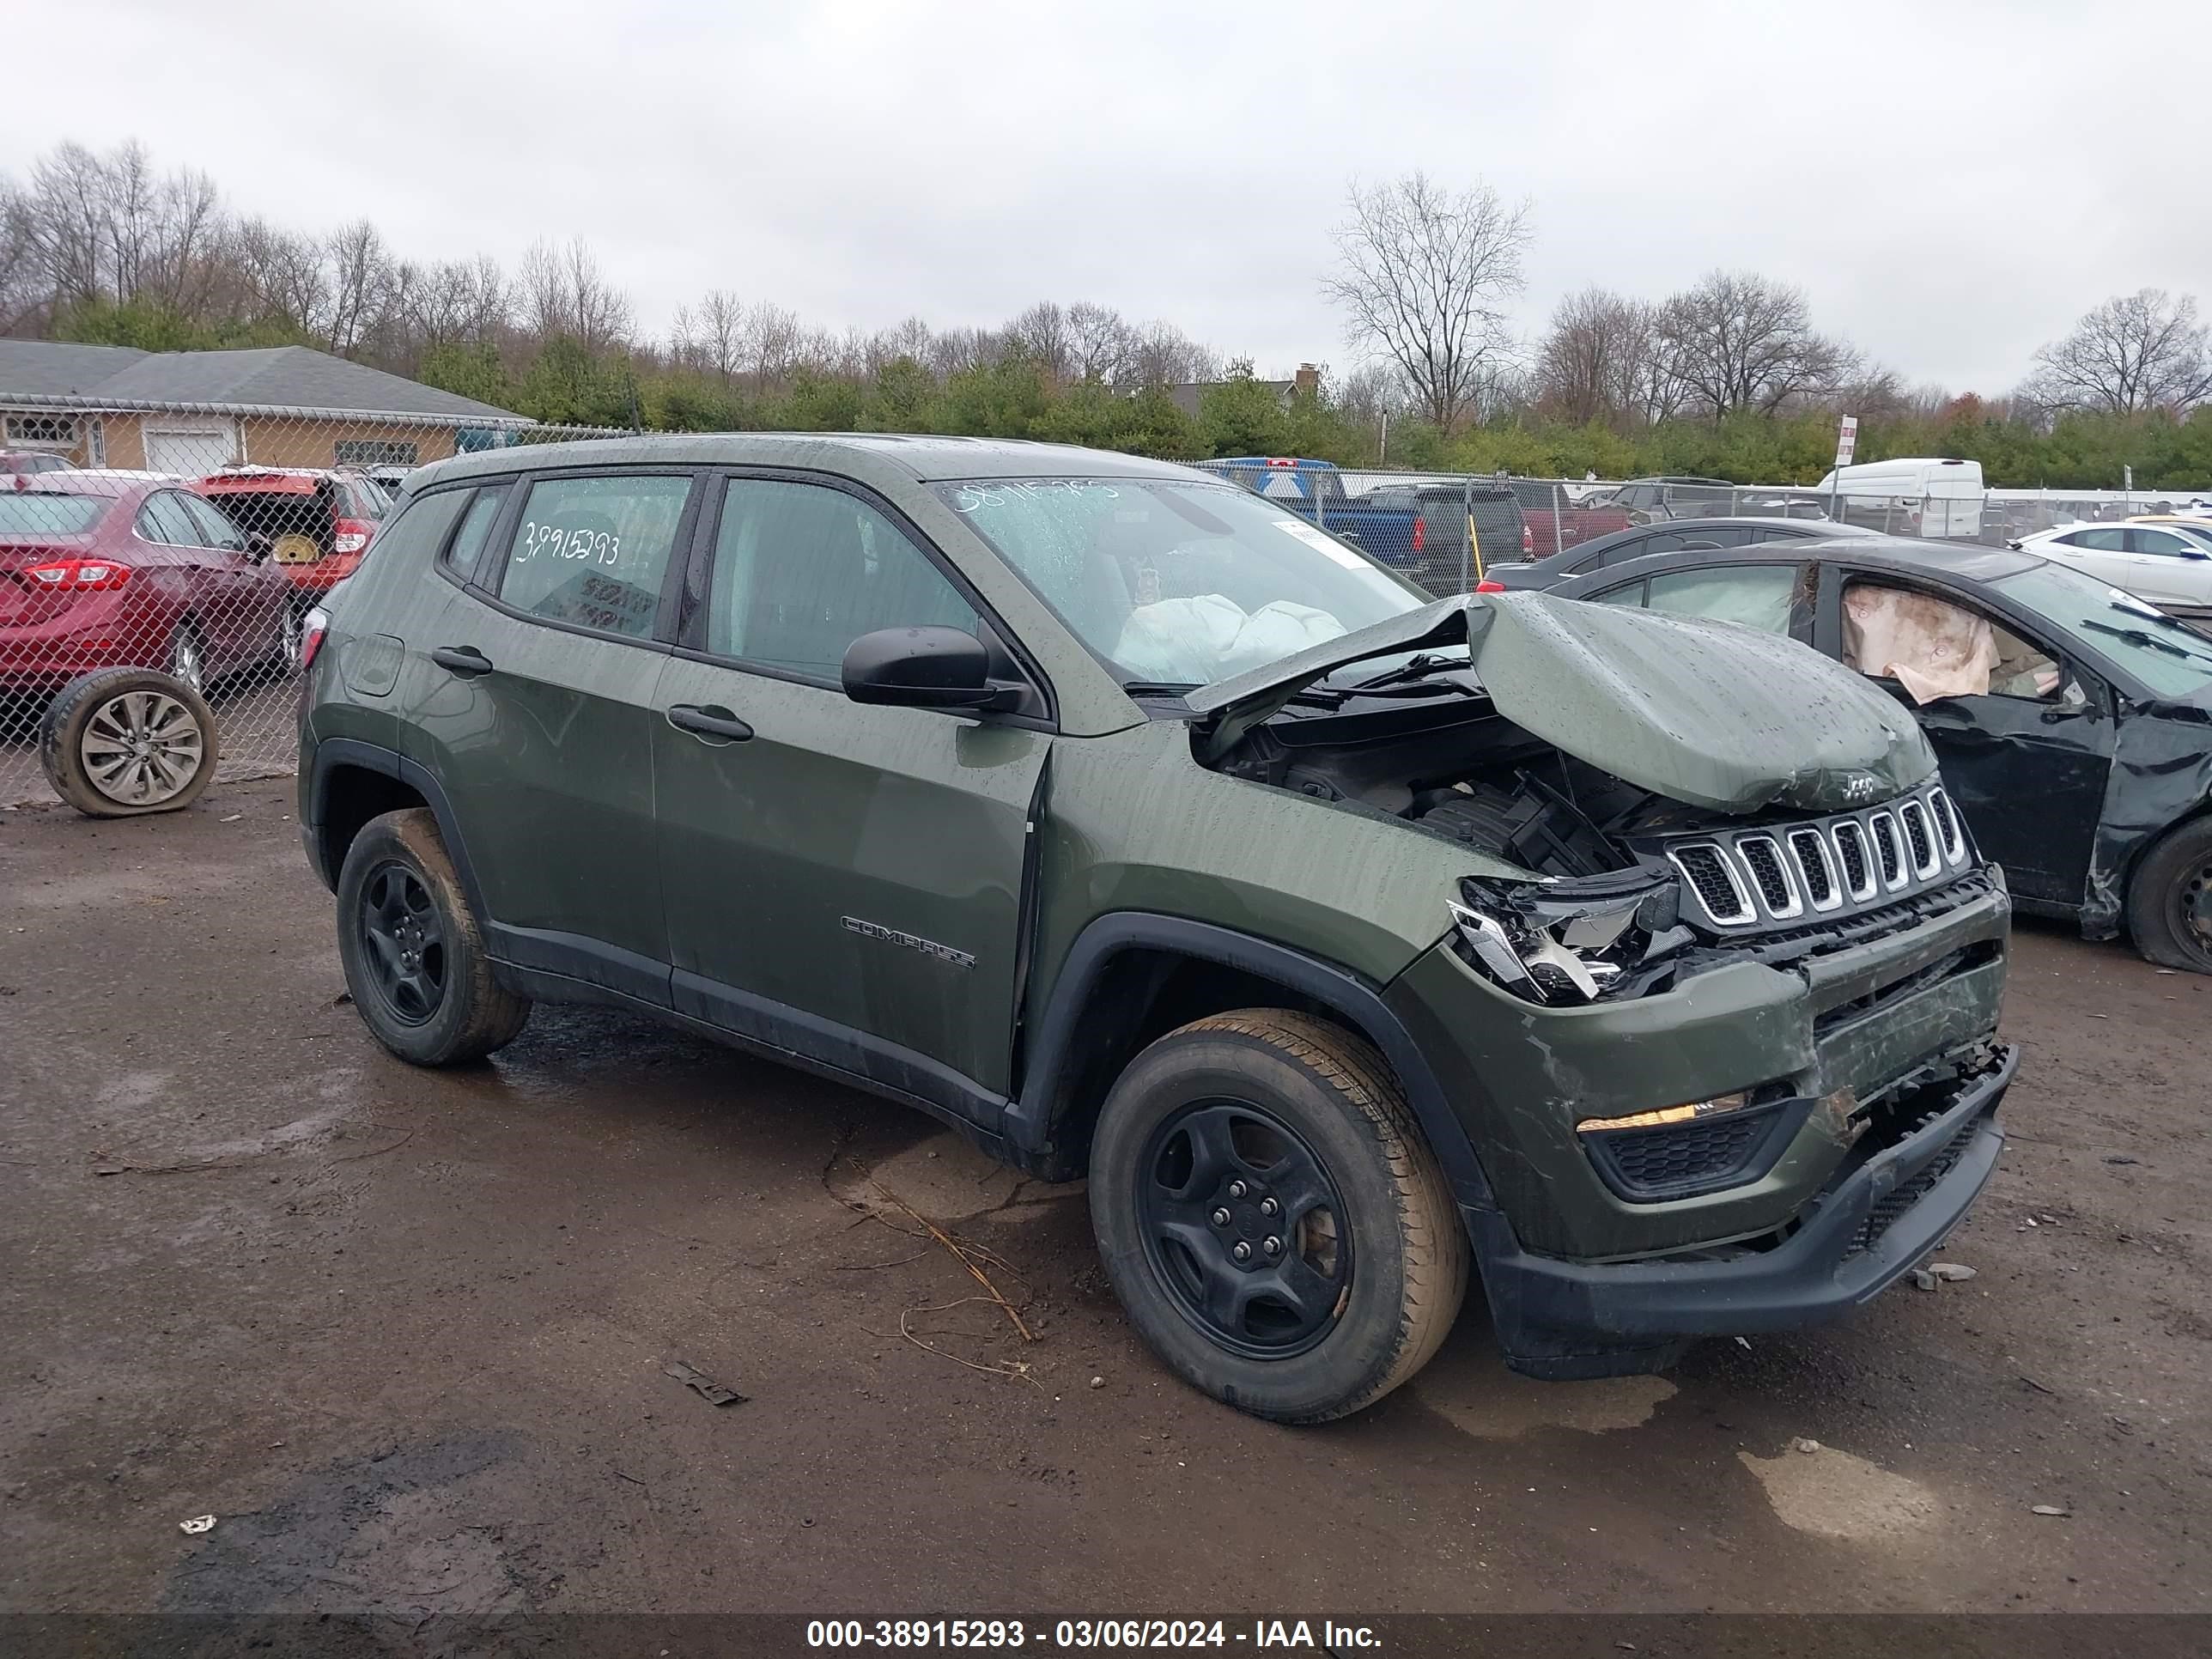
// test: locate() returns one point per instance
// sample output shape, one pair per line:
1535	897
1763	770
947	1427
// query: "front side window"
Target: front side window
1750	595
593	552
1178	584
1936	647
802	570
2162	542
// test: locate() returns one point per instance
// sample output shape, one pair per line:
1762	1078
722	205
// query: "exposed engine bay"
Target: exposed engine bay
1627	891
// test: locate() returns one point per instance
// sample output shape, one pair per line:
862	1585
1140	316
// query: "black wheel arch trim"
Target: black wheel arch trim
1034	1116
331	753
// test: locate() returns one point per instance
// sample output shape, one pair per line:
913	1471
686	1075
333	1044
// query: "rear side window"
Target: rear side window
593	552
1753	595
422	523
465	551
161	520
2098	541
216	530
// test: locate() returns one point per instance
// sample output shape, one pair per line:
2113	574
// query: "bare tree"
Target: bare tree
711	336
1741	341
1044	333
283	275
361	284
1160	353
1422	277
1590	363
2131	355
1100	343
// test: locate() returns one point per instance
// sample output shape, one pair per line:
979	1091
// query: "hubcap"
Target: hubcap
403	942
142	748
1243	1226
185	661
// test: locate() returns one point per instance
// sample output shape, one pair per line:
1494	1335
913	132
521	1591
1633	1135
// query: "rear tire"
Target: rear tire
413	952
1364	1219
121	743
2170	900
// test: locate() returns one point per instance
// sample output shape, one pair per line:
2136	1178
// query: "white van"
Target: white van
1922	496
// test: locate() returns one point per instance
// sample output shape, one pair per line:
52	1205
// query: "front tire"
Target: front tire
413	952
2170	900
1271	1216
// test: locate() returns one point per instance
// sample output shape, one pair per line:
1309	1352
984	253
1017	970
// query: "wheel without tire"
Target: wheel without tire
2170	901
1272	1217
413	952
123	742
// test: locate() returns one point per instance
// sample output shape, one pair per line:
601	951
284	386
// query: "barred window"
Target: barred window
49	431
375	452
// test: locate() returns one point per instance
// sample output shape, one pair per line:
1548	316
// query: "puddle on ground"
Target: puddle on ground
1480	1397
945	1178
1834	1494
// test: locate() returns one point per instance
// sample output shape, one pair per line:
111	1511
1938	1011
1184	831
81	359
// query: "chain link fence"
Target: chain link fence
191	538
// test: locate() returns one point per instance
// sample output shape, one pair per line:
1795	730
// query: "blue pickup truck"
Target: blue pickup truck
1418	529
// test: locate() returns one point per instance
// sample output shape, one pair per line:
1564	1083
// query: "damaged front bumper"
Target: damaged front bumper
1566	1320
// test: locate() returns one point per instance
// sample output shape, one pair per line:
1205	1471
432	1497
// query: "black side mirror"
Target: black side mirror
924	668
258	547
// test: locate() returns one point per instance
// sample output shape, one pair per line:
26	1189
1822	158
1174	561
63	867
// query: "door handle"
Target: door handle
711	721
464	660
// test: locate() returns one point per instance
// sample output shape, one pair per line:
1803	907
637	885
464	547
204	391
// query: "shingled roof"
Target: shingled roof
279	377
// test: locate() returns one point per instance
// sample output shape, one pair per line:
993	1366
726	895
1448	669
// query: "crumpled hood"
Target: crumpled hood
1709	714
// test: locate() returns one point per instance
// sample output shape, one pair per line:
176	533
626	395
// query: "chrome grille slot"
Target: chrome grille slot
1714	879
1858	861
1763	858
1953	839
1889	849
1919	839
1816	873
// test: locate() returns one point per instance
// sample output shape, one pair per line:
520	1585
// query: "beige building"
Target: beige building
193	412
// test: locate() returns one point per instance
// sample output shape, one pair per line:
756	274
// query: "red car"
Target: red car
104	570
319	523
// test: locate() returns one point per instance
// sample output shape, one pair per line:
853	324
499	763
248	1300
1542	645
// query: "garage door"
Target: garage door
189	455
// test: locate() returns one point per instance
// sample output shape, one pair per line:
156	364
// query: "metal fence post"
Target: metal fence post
1466	530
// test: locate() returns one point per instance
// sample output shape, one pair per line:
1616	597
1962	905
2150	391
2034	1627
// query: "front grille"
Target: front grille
1811	853
1764	859
1715	884
1851	848
1890	1208
1767	878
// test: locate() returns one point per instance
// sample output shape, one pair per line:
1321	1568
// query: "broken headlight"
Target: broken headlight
1561	943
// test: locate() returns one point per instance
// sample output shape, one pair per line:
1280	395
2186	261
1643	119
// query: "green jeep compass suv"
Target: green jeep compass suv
1348	941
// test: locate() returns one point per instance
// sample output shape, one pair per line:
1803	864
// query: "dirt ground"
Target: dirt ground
404	1334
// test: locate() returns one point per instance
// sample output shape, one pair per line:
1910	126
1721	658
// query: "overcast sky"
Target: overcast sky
1952	183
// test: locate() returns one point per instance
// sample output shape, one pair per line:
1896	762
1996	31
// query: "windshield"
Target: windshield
50	512
2171	659
1179	583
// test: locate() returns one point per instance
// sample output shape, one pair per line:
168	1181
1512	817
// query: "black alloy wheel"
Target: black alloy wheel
405	943
1241	1220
